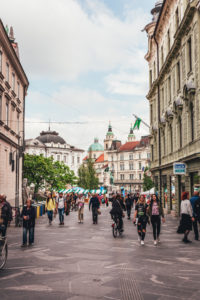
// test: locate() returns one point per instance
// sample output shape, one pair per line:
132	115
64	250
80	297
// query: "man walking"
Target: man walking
28	215
128	206
94	202
5	214
61	207
193	201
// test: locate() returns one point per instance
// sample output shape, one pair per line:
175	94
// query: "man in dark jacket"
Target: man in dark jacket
129	204
28	215
5	214
94	202
117	210
196	212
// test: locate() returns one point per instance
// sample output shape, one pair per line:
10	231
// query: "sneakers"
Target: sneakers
158	240
142	243
24	245
155	243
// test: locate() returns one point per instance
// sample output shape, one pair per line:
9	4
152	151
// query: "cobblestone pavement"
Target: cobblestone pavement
84	262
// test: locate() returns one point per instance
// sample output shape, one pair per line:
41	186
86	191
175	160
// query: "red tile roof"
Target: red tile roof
100	159
128	146
85	158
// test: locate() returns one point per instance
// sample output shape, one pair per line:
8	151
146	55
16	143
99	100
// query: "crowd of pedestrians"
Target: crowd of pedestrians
145	211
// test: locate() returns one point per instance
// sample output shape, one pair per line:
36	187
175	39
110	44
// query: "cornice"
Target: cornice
176	46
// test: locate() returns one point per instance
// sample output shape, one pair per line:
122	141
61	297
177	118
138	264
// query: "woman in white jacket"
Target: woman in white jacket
186	216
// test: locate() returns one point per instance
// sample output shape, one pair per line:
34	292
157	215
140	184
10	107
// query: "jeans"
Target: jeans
50	215
156	223
141	227
128	208
61	215
80	214
94	214
195	227
3	229
31	235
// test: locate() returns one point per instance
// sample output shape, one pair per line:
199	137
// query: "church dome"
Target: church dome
50	137
95	146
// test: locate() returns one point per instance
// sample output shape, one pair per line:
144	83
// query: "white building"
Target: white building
50	144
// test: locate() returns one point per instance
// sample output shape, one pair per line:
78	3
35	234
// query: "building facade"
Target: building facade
121	165
13	89
50	144
174	96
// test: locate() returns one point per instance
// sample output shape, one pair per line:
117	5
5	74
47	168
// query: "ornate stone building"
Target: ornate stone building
174	96
13	89
50	144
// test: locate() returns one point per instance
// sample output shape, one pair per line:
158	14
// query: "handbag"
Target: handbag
99	211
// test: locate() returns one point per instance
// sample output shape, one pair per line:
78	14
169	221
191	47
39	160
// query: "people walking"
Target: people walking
61	207
94	202
80	202
186	216
195	214
141	214
50	207
5	214
129	204
28	215
117	211
155	212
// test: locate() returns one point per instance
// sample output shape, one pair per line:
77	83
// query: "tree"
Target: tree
41	171
87	176
147	181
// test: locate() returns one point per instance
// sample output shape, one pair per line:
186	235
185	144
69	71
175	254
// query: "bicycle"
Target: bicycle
3	252
115	227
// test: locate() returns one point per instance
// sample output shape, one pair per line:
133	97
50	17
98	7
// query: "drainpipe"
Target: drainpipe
159	131
23	142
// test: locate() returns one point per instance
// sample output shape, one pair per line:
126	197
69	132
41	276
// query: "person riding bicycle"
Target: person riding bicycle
5	214
117	211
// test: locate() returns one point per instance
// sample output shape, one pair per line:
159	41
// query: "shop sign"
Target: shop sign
179	168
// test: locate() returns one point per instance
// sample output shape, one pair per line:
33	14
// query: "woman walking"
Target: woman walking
50	207
155	212
141	214
80	203
186	216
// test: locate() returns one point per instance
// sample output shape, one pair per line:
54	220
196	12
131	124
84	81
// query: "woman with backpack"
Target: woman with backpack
155	212
141	215
50	207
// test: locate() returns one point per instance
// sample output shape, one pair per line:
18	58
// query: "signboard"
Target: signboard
179	168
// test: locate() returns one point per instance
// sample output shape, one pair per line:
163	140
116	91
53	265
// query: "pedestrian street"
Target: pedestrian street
84	262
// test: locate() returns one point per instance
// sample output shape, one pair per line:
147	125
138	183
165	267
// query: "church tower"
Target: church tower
109	138
131	136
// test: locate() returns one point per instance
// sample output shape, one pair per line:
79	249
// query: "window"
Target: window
64	158
177	19
94	156
152	152
180	132
140	176
131	176
151	113
121	156
0	107
121	176
131	166
189	44
52	157
13	81
150	78
7	113
122	167
139	155
7	72
72	159
130	156
148	155
113	167
106	146
162	56
192	121
154	70
168	40
78	160
178	76
0	61
18	90
58	157
169	89
171	138
140	166
112	158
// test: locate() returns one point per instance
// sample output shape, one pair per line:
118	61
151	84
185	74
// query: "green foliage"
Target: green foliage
87	176
147	181
42	171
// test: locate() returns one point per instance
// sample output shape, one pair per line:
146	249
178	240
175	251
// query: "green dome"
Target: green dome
95	146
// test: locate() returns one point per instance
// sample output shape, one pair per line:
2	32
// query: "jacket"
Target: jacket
161	212
193	201
31	214
6	213
94	201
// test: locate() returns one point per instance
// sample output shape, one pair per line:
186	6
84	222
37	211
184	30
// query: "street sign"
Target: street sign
179	168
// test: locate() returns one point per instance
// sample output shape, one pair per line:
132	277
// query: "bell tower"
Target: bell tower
131	136
109	138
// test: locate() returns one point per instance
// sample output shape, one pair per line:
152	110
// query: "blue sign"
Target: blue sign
179	168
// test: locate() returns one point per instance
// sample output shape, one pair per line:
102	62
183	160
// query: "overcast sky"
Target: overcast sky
85	63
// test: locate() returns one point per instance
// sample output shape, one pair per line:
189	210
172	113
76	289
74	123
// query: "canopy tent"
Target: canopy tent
150	192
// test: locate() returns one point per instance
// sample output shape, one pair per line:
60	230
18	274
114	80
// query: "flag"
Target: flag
137	124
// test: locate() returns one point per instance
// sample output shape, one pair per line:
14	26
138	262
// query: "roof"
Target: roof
100	159
129	146
50	137
145	141
85	158
95	146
